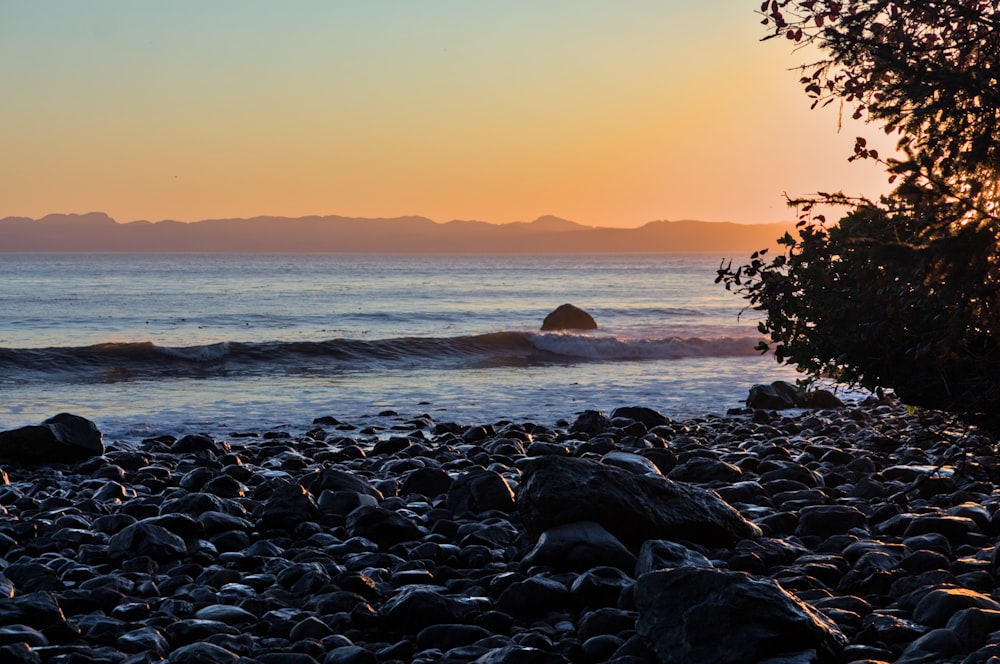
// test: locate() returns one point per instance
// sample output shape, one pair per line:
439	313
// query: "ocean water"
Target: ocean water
145	344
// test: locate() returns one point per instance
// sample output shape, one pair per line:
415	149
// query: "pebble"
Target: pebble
865	533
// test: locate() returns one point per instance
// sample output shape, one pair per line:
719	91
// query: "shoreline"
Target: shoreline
431	542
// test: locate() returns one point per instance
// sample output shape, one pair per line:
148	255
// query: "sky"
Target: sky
605	113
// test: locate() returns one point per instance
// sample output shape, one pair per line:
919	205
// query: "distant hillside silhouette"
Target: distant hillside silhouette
97	232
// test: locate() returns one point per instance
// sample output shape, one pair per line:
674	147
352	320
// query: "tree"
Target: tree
904	292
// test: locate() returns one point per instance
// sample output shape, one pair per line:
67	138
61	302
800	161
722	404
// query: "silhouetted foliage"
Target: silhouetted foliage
901	293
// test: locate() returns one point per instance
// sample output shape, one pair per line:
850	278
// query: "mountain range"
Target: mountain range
97	232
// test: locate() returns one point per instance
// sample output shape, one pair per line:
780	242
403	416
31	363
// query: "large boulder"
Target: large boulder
684	611
63	438
781	395
568	317
634	508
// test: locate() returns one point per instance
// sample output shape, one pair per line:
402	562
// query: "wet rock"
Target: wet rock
935	646
651	418
288	506
415	607
634	508
568	317
382	526
828	520
146	539
662	554
61	438
480	491
590	422
202	653
448	636
681	610
940	604
578	547
534	597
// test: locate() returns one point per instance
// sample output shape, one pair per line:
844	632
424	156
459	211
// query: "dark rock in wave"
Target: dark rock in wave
569	317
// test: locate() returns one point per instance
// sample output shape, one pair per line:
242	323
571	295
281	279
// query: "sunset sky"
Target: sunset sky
606	113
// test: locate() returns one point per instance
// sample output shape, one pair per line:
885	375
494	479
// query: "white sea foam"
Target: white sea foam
594	347
201	353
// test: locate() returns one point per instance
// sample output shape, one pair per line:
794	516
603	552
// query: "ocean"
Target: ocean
147	344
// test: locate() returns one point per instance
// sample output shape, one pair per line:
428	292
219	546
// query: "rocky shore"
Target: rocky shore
858	534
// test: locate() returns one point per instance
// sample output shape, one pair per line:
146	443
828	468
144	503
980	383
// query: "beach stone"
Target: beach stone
10	634
634	508
146	539
61	438
600	586
651	418
19	653
681	612
382	526
427	481
197	442
779	395
350	655
940	604
39	610
480	491
288	506
343	503
515	654
662	554
828	520
703	470
202	653
534	597
143	640
934	646
449	636
568	317
631	462
974	626
415	607
577	547
590	422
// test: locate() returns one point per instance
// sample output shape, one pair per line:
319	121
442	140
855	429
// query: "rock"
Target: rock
827	520
684	611
590	422
447	636
202	653
634	508
600	587
568	317
146	539
480	491
781	395
63	438
534	597
39	610
661	554
428	482
415	607
651	418
934	646
578	547
938	605
288	506
382	526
